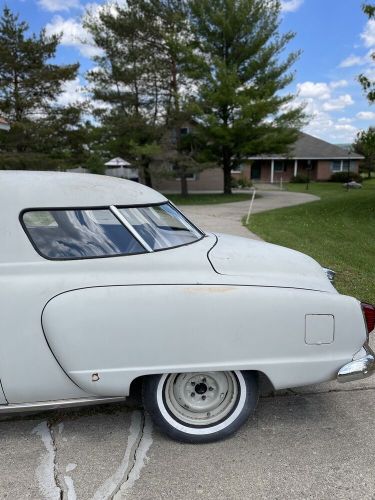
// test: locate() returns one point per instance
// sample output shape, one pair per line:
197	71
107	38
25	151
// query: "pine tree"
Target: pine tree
142	79
241	105
124	83
174	56
29	83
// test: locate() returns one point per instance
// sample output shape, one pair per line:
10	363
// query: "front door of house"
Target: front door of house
255	170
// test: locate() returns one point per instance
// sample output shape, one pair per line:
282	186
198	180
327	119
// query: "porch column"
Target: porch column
272	170
342	166
295	167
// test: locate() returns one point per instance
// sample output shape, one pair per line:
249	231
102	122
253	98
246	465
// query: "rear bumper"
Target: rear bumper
359	368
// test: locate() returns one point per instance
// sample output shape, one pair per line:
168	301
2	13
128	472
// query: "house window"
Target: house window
336	166
237	169
342	166
280	166
184	131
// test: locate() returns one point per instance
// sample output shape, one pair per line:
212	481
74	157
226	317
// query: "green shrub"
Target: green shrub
244	182
299	179
240	182
343	177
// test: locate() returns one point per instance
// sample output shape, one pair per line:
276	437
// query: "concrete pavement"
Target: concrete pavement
226	217
313	442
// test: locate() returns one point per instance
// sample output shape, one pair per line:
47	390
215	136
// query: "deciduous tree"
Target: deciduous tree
365	145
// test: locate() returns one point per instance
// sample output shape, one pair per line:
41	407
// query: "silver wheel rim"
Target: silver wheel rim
201	399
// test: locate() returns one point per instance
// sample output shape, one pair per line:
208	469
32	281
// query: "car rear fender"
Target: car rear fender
105	337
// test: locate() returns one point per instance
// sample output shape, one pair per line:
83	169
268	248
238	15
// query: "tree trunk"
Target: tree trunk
184	186
227	167
147	174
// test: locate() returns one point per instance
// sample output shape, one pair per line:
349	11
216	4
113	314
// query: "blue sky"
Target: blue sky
335	37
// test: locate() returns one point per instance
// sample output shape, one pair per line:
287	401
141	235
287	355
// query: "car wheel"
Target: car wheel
200	407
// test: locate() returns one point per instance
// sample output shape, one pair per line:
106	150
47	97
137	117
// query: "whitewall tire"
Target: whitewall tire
200	407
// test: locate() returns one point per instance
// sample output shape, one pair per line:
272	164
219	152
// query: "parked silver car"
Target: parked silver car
105	282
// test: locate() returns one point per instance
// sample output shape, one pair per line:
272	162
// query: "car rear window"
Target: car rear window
161	226
77	234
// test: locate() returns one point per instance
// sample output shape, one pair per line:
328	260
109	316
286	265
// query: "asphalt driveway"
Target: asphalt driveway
314	442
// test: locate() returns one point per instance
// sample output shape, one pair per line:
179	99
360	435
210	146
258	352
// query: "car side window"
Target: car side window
79	234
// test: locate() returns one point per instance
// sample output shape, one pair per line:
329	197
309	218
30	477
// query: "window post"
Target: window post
295	168
272	170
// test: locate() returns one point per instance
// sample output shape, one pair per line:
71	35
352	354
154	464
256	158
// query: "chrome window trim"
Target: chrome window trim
116	212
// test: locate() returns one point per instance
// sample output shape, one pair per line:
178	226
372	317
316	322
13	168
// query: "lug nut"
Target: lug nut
210	388
203	397
204	379
192	394
192	383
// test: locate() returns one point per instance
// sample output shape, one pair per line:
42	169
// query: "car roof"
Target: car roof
29	189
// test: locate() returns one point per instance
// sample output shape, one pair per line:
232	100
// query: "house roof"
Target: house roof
4	125
308	147
117	162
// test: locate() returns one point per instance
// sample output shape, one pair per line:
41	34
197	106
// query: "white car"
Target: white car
104	282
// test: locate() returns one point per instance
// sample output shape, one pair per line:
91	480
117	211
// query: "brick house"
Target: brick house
308	156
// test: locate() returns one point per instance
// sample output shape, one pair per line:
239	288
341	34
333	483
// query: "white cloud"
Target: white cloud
366	115
59	5
345	120
321	122
317	90
73	35
291	5
322	125
73	92
339	84
368	35
368	41
94	9
354	60
340	103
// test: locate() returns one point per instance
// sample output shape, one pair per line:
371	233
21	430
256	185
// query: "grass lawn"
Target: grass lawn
338	231
208	199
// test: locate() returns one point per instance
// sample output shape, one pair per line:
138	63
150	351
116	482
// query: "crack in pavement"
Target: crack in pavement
55	472
53	487
131	464
128	472
46	471
139	459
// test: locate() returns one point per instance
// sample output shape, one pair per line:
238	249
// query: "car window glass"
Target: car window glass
161	226
39	219
76	234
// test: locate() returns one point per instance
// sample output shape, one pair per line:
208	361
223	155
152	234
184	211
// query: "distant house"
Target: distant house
308	156
4	125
